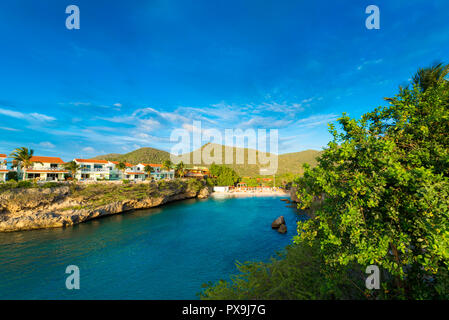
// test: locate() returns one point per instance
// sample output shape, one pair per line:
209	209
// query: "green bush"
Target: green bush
50	185
125	181
25	184
194	184
380	195
296	274
12	175
223	176
210	182
383	189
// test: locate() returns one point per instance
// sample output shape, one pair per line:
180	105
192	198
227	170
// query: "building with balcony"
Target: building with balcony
93	169
44	169
3	168
130	172
158	173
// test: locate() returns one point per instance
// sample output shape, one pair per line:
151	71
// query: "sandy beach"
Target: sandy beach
251	193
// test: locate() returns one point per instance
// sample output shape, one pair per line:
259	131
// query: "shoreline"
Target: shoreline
59	207
247	193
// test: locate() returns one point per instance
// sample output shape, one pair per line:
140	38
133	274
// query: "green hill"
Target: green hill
142	155
289	163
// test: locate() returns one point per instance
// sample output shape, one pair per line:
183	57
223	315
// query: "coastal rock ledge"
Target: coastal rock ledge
36	208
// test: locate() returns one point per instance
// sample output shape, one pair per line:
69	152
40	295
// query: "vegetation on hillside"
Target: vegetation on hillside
13	184
223	176
142	155
288	164
383	190
102	194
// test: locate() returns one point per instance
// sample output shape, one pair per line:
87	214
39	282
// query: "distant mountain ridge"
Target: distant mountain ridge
287	163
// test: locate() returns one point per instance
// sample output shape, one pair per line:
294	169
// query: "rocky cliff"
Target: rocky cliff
35	208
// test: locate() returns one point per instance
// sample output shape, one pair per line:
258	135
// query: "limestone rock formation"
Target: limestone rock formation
35	208
282	228
278	222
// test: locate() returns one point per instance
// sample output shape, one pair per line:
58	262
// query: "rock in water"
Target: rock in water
282	228
204	193
278	222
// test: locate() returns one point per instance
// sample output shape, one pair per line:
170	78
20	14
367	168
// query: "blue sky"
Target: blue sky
136	70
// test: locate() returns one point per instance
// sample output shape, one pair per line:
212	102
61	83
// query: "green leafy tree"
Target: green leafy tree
72	167
180	169
381	191
22	158
122	167
167	165
223	176
148	170
430	77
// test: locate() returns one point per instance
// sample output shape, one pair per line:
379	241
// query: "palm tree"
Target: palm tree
73	167
180	169
148	170
122	167
22	157
167	165
431	76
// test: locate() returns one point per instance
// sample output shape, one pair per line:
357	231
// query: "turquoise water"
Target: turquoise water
161	253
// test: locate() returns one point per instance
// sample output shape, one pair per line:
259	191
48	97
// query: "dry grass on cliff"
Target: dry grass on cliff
98	194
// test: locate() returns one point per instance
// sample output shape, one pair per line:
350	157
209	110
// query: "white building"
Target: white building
44	169
221	189
158	173
93	169
3	168
133	172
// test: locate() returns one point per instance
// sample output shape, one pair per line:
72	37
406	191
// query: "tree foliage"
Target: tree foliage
383	188
296	274
223	176
148	169
73	167
380	195
22	156
167	165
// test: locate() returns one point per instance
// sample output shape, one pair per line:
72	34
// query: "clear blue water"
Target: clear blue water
161	253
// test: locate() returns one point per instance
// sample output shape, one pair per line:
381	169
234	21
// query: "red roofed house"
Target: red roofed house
158	173
45	169
131	172
3	168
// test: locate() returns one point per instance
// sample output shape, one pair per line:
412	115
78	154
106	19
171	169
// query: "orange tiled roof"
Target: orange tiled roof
92	161
126	163
4	170
3	155
47	160
128	173
45	171
152	165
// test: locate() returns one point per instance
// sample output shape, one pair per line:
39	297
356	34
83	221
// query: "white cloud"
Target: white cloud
316	120
88	149
265	122
191	128
26	116
9	129
47	144
40	117
365	63
77	104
